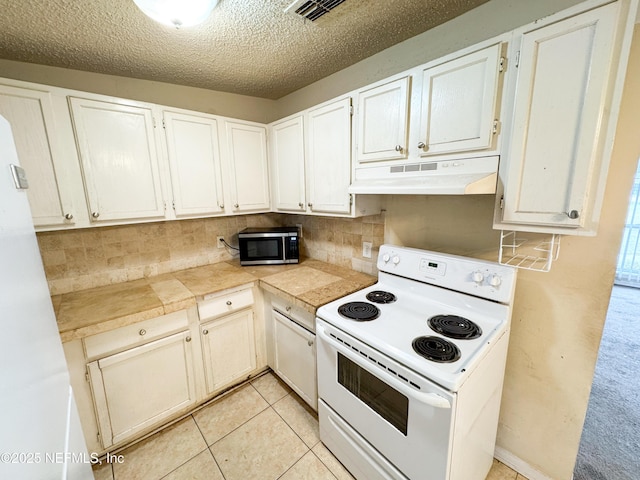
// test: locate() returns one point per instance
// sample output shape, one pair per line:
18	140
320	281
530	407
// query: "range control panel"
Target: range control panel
477	277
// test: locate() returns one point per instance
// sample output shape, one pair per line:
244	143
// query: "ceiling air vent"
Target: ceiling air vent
312	9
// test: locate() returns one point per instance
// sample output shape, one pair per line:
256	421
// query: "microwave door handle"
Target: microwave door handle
431	399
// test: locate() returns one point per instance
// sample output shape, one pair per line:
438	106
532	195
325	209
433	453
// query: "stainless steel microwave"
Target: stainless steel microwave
269	246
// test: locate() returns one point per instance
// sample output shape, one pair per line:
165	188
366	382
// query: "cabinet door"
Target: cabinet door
249	172
459	103
140	387
295	358
329	157
383	114
30	114
194	160
559	107
229	349
287	164
119	160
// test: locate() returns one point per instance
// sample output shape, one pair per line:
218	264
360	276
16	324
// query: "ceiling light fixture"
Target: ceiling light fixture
177	13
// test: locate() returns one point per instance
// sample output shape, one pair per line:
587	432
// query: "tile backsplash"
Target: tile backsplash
86	258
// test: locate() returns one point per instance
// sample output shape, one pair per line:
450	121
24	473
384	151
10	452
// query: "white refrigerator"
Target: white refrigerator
40	433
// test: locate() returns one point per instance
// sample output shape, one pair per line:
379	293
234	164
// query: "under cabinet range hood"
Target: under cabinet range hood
465	176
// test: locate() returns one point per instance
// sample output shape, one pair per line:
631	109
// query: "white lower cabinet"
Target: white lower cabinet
228	348
140	387
295	357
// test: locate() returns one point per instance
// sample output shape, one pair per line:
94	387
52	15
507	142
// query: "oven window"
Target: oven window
264	249
380	397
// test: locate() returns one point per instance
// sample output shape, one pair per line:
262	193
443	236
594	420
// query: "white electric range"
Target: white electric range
410	370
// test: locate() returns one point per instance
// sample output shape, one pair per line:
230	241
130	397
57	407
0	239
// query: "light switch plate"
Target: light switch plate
366	249
19	177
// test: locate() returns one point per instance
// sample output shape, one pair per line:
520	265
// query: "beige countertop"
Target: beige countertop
309	285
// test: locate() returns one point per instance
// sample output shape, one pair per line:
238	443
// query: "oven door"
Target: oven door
403	416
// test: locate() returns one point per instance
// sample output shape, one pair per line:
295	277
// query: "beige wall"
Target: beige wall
190	98
558	316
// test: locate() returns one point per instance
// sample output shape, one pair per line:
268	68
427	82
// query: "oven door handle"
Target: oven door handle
431	399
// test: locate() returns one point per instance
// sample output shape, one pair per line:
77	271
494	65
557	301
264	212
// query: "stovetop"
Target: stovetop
403	320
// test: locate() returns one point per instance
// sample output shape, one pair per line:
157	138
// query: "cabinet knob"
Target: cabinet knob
142	331
69	216
288	308
421	145
205	332
95	214
229	302
573	214
301	205
236	205
188	339
309	342
310	205
399	148
222	206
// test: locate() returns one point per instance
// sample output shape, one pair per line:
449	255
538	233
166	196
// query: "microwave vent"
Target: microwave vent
312	9
415	167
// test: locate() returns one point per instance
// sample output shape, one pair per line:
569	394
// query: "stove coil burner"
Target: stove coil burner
436	349
453	326
360	311
380	296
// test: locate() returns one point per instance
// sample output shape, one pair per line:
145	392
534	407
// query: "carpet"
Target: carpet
610	443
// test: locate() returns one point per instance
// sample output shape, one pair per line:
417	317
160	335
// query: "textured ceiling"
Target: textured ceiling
249	47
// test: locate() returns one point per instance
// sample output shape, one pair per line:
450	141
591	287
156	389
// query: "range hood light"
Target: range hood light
177	13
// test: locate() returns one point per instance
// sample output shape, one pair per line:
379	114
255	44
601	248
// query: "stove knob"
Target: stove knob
386	258
477	276
396	260
495	280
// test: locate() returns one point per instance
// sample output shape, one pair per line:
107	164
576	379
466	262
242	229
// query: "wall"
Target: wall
190	98
481	23
86	258
558	317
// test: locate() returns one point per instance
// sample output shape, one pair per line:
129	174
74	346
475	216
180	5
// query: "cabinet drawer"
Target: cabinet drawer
140	332
299	315
226	303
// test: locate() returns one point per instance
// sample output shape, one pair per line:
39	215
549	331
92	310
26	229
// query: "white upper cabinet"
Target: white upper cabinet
459	100
119	160
30	113
383	122
247	166
329	157
287	164
564	119
194	161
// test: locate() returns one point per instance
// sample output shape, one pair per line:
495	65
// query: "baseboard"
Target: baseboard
516	463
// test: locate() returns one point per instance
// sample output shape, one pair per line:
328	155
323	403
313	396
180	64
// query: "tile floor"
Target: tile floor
261	431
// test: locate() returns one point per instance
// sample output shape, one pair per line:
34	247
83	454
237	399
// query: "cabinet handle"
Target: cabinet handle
205	332
69	216
229	302
309	342
573	214
95	214
421	145
142	331
399	148
188	339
